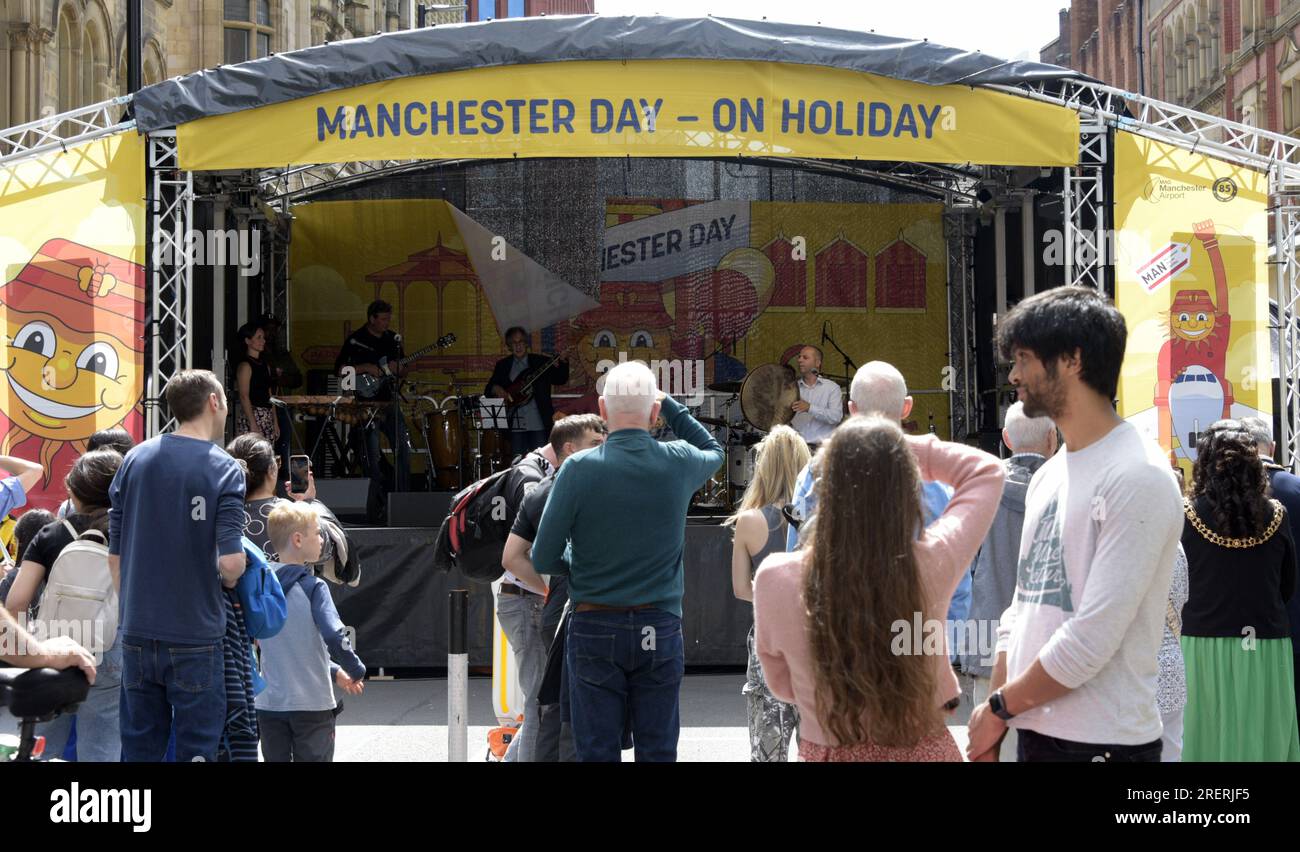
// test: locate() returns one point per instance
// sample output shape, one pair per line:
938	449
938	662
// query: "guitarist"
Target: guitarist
530	422
362	351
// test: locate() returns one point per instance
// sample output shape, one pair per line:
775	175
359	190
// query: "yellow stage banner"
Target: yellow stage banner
1192	283
72	303
643	108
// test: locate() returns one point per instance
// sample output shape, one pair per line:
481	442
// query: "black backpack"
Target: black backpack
473	535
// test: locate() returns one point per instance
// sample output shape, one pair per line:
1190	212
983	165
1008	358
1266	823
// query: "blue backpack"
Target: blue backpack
260	595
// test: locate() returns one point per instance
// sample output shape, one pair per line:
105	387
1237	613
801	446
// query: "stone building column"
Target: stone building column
18	62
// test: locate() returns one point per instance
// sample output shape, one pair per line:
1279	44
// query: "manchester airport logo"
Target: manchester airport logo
1163	189
1224	189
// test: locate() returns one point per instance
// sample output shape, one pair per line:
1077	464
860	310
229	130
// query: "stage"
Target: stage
399	611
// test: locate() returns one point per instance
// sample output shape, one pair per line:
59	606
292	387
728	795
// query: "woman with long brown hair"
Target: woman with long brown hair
852	628
1236	635
760	531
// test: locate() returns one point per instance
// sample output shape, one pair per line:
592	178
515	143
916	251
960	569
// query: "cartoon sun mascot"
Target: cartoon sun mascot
1192	389
74	360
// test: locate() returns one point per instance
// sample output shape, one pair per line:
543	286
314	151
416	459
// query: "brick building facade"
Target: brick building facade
1237	59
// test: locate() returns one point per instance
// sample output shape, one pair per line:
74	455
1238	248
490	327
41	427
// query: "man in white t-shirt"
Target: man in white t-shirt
1077	649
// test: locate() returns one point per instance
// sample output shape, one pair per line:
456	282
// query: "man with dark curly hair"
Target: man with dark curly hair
1076	667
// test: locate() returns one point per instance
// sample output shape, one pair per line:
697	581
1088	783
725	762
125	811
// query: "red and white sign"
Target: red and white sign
1167	265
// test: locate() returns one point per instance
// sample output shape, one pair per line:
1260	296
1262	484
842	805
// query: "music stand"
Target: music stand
492	413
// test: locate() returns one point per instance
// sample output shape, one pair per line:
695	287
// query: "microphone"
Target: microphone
824	330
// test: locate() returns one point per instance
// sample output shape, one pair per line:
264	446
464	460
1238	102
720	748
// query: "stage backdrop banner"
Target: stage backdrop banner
72	298
646	108
764	278
1192	283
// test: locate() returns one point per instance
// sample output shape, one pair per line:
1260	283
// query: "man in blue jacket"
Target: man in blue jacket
621	509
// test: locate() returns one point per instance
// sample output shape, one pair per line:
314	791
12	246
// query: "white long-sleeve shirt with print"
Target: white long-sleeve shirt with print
1101	531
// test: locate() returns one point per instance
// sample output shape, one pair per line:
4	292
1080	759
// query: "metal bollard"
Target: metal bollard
458	676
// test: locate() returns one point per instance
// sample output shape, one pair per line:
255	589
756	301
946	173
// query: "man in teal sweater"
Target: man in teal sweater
621	511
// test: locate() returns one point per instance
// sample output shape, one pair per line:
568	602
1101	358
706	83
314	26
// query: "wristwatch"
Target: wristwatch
999	707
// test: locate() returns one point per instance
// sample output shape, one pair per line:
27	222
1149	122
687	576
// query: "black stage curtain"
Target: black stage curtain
399	610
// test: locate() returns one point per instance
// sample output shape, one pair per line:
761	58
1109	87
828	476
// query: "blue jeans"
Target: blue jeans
521	620
621	663
166	686
99	732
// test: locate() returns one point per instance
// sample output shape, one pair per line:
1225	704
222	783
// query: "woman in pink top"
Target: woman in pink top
835	623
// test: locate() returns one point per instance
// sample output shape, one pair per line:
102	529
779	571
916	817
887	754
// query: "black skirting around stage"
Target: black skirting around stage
399	610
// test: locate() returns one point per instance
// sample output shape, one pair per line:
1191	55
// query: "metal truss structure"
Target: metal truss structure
171	279
1101	109
1286	237
57	132
960	378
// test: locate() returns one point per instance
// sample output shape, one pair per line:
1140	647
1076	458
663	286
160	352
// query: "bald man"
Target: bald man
1032	441
615	523
820	407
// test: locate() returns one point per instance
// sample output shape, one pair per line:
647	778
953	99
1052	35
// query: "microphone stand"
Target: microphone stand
849	366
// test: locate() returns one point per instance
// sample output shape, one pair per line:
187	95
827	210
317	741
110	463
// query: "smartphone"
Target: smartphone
298	469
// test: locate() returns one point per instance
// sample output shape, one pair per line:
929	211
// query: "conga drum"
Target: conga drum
494	444
446	443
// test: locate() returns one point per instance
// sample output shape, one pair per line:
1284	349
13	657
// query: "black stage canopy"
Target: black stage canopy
521	41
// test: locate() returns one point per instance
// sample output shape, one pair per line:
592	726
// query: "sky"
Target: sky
1008	29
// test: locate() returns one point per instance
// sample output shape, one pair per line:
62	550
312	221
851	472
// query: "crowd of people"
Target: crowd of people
1129	616
222	639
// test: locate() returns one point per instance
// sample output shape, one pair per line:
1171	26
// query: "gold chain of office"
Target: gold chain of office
1223	541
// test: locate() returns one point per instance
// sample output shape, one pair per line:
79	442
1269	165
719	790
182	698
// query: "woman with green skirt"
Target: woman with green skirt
1236	635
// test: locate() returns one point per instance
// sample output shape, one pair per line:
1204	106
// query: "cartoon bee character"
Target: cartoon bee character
73	361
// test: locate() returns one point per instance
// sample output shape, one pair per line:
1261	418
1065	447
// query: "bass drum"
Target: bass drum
740	466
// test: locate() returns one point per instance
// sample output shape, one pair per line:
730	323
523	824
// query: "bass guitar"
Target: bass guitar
368	386
520	390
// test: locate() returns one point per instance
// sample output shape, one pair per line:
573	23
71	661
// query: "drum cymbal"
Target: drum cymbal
767	394
726	387
714	421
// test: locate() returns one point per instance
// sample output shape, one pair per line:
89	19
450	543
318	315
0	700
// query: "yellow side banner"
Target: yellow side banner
643	108
72	303
1192	283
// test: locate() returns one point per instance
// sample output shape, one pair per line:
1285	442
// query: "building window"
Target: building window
247	29
515	9
486	10
1291	105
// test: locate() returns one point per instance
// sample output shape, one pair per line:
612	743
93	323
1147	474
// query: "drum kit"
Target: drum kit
462	441
765	398
462	448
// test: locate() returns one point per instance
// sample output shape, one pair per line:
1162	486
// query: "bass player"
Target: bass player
524	381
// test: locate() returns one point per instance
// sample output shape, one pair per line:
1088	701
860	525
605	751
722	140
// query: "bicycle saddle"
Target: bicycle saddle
42	694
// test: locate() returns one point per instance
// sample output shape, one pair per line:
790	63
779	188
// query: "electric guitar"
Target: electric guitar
368	386
520	391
